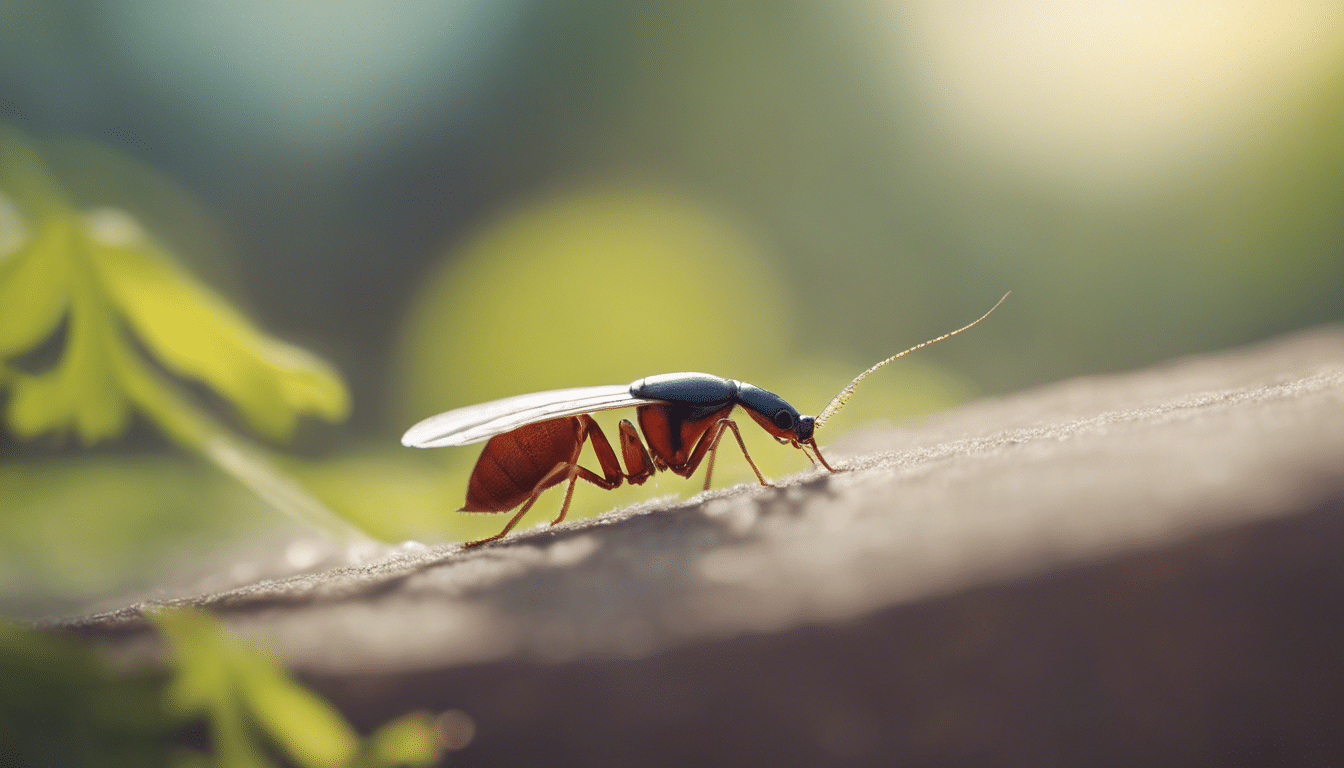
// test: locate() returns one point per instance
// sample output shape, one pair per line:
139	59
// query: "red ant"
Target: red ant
535	440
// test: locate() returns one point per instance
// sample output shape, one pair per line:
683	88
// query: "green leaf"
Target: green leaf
408	740
196	334
196	645
204	684
236	745
34	283
239	687
109	280
82	391
308	728
61	399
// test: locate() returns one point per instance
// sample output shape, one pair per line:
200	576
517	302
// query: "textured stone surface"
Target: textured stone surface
1148	567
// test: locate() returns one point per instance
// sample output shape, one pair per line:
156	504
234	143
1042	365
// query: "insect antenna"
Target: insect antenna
845	393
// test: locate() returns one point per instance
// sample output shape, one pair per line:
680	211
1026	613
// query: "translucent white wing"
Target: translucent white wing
475	423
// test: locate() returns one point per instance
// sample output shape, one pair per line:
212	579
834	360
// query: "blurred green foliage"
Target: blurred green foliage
101	275
243	694
61	706
112	290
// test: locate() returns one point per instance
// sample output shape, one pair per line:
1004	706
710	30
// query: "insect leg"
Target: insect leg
606	458
583	473
639	464
573	472
713	454
710	442
816	450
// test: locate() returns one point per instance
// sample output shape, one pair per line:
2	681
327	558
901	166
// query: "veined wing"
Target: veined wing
475	423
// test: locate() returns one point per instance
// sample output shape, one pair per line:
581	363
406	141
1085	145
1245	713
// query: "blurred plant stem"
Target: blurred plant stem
248	463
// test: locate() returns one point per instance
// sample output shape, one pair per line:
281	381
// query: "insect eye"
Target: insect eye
784	420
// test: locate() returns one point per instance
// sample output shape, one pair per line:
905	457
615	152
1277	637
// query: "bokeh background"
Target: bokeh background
453	202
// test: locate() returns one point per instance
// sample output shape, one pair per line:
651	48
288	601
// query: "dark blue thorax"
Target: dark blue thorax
699	392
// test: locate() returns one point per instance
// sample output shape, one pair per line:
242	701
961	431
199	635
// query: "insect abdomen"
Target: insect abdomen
514	464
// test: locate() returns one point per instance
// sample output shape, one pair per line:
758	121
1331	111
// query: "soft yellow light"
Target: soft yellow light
1113	92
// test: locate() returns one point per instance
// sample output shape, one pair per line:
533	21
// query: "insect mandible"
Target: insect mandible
535	439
